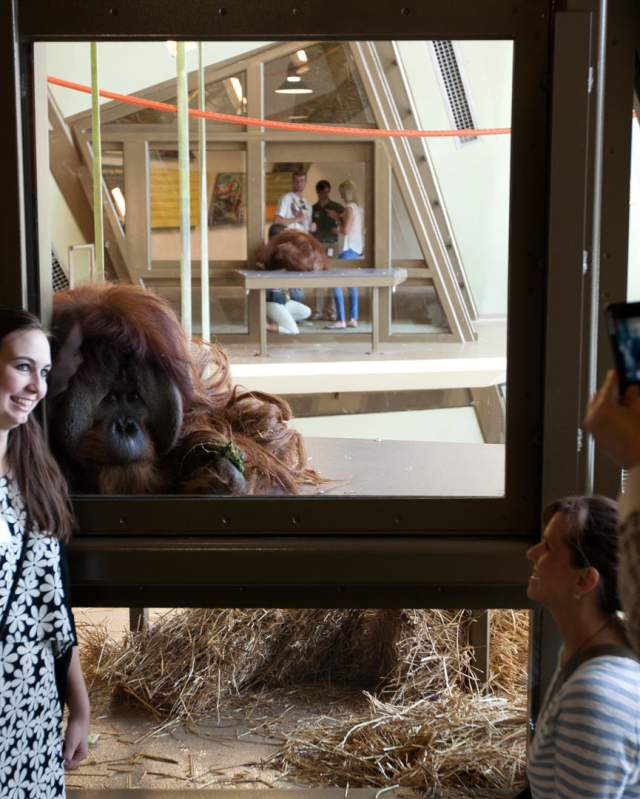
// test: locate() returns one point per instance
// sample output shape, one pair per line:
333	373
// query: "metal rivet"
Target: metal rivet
224	521
122	521
222	12
295	11
405	11
113	12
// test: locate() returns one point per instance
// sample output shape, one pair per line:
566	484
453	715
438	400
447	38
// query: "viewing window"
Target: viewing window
394	380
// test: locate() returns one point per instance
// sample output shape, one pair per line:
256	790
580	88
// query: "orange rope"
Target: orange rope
274	125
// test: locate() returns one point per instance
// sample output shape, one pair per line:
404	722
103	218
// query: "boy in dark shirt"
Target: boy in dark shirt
325	228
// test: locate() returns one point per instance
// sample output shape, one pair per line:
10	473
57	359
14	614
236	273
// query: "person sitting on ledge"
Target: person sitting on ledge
294	251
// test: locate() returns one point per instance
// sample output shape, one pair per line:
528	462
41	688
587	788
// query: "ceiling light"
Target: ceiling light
302	56
293	83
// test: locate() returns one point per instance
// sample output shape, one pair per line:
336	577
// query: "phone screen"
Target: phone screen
624	329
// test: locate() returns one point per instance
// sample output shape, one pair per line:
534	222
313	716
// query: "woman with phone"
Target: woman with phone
587	738
39	664
613	418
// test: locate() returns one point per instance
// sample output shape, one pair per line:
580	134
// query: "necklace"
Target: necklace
591	637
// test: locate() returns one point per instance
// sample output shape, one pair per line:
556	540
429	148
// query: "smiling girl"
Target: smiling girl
39	664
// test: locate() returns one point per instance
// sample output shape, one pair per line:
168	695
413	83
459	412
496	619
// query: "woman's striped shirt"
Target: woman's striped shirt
587	741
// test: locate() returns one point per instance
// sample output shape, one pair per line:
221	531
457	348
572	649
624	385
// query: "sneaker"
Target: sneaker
352	323
336	326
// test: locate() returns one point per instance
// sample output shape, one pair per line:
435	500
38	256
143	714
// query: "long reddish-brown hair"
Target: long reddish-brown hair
131	321
43	488
294	251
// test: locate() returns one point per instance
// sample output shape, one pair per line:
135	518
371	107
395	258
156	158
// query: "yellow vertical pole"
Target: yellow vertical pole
205	311
183	167
96	145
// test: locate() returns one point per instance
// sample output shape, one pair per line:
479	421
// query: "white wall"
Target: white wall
124	67
64	230
474	178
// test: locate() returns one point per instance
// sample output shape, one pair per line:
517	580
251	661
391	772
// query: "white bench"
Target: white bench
257	283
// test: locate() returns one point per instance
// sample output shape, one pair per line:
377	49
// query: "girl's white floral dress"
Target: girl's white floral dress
39	633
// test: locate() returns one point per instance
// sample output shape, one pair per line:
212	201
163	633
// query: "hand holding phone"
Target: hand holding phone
623	322
613	419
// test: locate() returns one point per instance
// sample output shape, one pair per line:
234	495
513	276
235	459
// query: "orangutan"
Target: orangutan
136	409
293	251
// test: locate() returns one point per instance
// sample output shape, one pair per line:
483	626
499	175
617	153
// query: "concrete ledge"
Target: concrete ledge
411	375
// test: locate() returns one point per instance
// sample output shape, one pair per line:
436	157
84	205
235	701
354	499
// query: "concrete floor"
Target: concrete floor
129	751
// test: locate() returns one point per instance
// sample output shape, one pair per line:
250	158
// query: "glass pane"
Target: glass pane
227	239
113	174
228	96
404	242
317	84
415	308
392	355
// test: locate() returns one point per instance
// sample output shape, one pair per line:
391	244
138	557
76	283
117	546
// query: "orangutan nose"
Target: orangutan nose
125	427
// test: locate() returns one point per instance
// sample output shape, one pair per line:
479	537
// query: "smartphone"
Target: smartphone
623	321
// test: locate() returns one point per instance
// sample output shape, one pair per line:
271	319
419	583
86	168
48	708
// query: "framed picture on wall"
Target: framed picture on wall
227	201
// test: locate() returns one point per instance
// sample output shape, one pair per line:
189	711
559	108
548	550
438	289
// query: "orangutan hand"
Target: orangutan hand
614	423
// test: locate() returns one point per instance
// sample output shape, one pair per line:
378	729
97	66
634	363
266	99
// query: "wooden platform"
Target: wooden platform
257	282
407	468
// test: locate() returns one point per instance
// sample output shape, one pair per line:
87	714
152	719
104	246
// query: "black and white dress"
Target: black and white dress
38	638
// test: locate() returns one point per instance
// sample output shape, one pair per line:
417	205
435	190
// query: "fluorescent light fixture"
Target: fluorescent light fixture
301	56
118	199
236	85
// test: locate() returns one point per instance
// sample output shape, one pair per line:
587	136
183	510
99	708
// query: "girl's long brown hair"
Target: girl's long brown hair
43	488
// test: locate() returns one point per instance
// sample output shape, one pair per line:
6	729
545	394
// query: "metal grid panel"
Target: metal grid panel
59	279
454	88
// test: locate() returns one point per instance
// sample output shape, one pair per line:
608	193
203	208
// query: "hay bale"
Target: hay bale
425	727
185	663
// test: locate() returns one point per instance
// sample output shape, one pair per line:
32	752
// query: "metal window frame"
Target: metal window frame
366	551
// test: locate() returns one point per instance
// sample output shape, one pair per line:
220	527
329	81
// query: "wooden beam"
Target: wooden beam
488	404
138	207
67	168
138	619
479	639
430	238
